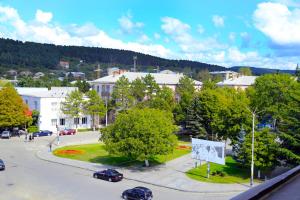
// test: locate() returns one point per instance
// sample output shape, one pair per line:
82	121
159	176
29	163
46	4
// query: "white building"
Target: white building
241	82
104	86
48	103
225	75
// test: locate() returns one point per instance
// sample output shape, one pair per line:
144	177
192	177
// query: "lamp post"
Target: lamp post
106	111
252	149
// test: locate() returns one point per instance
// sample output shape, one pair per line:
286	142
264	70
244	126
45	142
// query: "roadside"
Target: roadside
169	175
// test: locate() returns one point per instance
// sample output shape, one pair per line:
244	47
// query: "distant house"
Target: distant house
241	82
25	73
104	86
64	64
76	75
224	75
167	72
38	75
12	72
115	71
48	103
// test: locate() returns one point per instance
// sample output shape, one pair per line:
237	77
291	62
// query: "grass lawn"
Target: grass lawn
97	154
233	173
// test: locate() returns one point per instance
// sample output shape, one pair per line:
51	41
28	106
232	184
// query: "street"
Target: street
28	178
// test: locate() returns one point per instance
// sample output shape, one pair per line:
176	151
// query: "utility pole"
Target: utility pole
106	111
97	71
134	63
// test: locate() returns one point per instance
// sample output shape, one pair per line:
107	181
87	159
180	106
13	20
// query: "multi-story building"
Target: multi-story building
241	82
224	75
48	103
104	86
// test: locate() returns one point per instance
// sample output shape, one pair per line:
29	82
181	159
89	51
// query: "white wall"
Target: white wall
50	111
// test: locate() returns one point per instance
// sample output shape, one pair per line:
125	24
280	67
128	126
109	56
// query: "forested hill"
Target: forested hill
30	55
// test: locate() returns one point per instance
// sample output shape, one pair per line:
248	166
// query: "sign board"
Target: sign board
209	151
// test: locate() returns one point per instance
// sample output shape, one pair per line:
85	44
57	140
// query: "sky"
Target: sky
223	32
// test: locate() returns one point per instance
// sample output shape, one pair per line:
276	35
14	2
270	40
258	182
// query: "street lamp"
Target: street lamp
106	110
252	149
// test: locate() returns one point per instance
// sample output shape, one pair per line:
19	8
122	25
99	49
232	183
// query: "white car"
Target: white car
5	134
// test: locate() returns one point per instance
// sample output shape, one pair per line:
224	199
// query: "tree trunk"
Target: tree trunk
147	163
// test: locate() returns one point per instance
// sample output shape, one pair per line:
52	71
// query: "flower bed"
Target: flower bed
69	152
184	147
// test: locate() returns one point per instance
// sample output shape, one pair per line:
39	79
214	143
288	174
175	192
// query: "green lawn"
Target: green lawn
233	173
96	153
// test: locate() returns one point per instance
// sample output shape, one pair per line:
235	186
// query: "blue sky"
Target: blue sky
224	32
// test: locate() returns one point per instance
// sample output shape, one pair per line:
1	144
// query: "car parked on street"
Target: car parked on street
5	134
2	165
110	175
138	193
67	132
42	133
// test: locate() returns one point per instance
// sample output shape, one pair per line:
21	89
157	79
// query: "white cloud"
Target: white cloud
156	36
143	39
291	3
200	28
127	25
43	17
86	35
218	21
278	22
232	36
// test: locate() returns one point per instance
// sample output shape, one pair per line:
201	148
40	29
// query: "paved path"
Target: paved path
169	175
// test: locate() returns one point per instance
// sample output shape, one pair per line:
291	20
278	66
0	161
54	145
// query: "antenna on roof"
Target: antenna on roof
134	63
97	71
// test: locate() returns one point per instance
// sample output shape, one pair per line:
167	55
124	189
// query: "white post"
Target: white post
252	150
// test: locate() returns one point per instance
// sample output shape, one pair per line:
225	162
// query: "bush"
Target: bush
32	129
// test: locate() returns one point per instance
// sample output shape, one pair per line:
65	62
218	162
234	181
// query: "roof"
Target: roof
161	79
240	81
223	72
54	92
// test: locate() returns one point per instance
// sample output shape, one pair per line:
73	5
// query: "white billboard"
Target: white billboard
210	151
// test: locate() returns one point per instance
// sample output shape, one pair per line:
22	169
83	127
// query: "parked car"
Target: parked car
139	193
42	133
5	134
67	132
2	165
109	175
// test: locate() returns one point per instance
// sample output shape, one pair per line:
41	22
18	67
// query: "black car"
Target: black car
138	193
109	175
42	133
2	166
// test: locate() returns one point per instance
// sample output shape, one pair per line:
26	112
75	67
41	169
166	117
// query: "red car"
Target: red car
67	132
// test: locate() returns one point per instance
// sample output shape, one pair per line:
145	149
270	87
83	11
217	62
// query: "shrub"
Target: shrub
32	129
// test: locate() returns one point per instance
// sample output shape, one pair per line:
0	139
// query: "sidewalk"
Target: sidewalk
170	175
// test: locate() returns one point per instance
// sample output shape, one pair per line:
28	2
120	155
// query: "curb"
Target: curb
140	181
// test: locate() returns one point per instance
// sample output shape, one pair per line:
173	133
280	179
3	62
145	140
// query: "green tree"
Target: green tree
297	72
203	75
137	90
186	91
265	150
13	111
140	134
121	94
151	86
83	86
73	105
245	71
94	106
163	100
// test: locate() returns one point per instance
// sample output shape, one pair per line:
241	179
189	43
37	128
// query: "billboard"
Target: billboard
210	151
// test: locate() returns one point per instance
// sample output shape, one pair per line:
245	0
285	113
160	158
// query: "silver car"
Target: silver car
5	134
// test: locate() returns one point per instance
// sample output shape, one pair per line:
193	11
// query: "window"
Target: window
84	120
76	120
62	121
98	88
107	88
35	105
53	122
53	106
26	101
103	88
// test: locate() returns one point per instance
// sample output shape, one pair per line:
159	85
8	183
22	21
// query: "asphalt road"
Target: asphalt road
28	178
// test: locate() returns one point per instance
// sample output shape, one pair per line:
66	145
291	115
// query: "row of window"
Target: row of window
62	121
104	88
